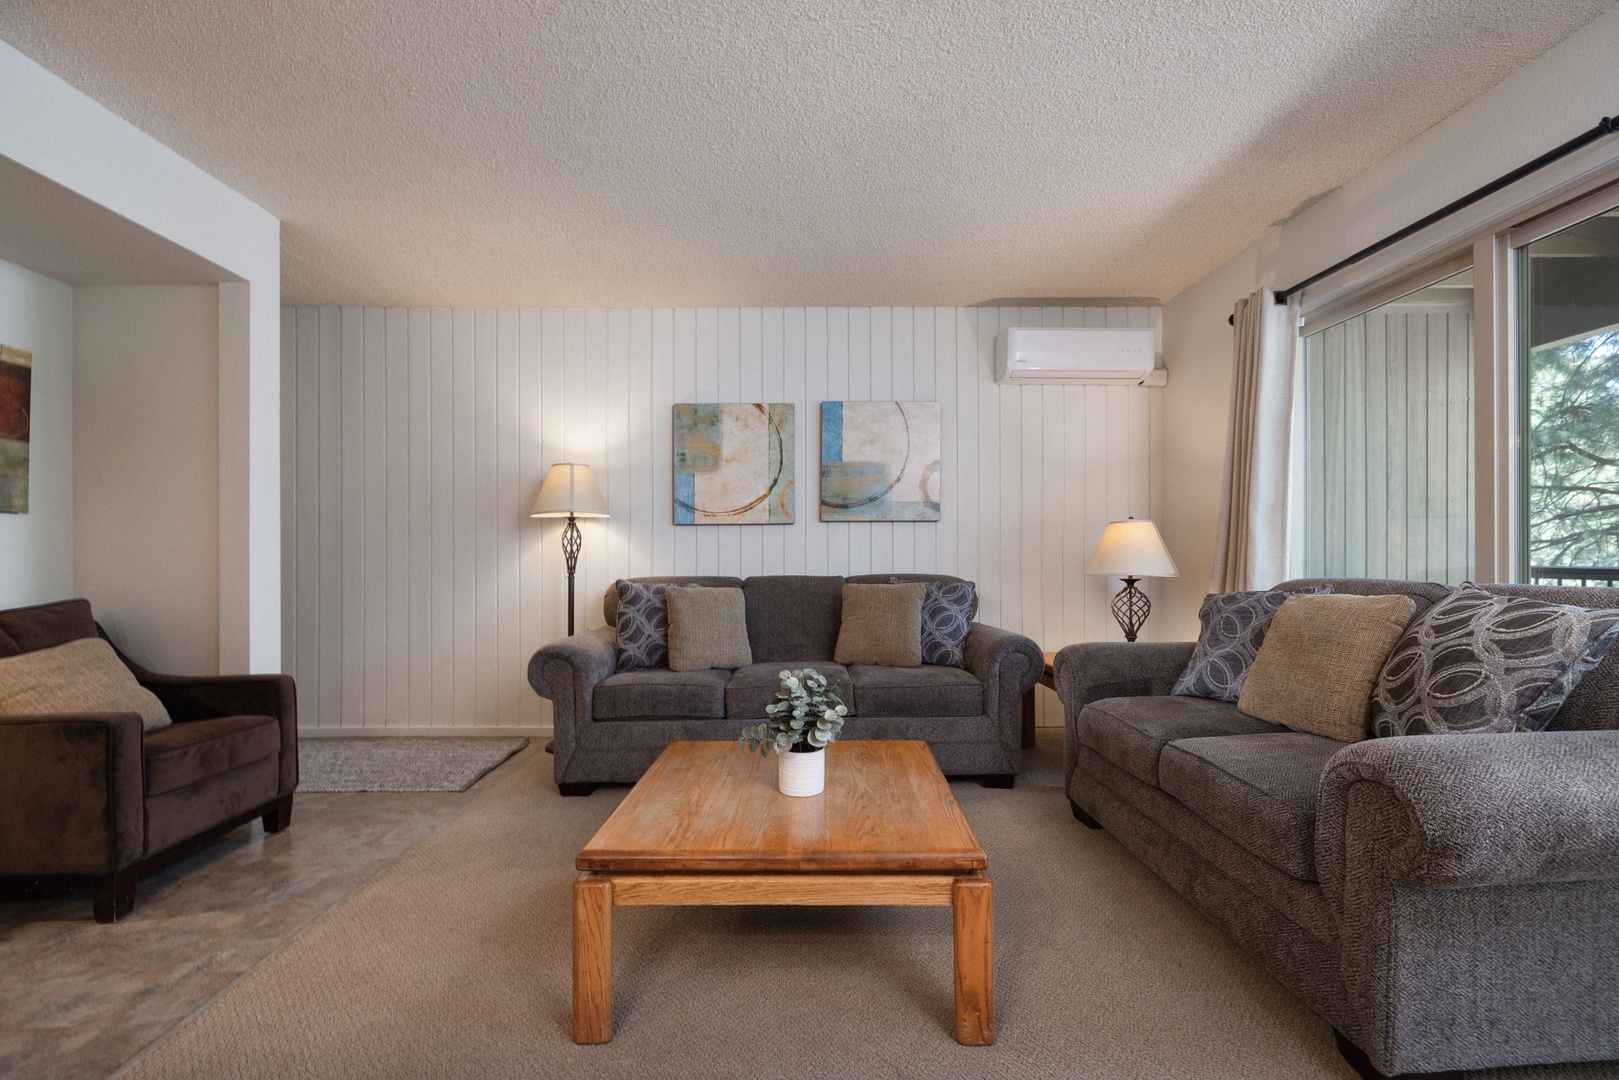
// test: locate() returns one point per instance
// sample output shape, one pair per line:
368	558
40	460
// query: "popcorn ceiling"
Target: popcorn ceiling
758	152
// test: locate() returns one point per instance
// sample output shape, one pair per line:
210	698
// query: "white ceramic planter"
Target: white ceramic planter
801	774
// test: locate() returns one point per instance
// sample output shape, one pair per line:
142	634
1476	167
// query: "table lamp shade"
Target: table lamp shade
569	491
1131	549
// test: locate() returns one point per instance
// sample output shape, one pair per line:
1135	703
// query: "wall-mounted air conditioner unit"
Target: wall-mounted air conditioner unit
1102	356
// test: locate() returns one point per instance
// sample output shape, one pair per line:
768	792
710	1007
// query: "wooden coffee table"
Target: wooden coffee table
706	825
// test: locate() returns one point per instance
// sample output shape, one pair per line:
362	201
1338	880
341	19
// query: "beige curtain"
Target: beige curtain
1251	548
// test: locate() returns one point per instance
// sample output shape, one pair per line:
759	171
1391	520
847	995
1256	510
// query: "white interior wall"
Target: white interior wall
1550	100
418	587
59	133
36	548
146	469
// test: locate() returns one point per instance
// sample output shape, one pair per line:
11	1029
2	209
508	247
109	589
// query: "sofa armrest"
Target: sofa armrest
585	659
72	793
207	697
989	651
1467	810
1472	879
566	672
1093	670
1008	665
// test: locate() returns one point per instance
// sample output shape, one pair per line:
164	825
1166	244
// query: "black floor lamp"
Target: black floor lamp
570	491
1131	550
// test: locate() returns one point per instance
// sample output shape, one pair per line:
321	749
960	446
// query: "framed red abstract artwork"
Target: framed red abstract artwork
16	383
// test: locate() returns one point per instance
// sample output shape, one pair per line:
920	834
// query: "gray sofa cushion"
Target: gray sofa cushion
947	608
1594	704
1131	732
1425	593
642	631
793	617
940	579
1481	662
1234	626
1259	790
920	691
1193	847
610	598
661	692
753	687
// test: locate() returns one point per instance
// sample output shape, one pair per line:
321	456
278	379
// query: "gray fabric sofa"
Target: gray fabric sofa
1445	902
611	725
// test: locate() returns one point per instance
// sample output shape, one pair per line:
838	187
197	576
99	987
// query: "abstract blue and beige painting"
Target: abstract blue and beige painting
734	464
879	461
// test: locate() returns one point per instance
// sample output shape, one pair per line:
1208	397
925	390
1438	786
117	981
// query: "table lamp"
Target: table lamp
1131	550
570	491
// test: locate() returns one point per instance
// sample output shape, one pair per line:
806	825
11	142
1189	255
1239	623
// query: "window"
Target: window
1568	353
1456	411
1387	486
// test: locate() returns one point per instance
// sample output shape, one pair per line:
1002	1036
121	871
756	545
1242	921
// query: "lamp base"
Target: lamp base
572	541
1131	607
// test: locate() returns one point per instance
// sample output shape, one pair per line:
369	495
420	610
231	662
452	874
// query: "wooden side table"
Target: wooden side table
1048	678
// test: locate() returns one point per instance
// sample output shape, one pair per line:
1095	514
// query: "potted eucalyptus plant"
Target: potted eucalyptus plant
805	715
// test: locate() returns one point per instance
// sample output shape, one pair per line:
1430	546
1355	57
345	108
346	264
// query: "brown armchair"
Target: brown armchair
90	800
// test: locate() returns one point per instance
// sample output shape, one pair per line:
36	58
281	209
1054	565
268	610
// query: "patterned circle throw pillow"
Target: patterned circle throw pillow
947	613
1478	662
1234	626
643	625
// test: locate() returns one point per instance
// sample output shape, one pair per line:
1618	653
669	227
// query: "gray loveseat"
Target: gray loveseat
611	725
1445	902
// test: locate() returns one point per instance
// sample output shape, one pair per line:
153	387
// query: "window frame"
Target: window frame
1512	512
1486	237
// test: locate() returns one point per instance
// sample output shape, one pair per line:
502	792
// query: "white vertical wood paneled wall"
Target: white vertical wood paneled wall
417	586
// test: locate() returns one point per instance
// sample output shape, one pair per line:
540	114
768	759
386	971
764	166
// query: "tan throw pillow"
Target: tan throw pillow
708	628
83	676
882	624
1320	660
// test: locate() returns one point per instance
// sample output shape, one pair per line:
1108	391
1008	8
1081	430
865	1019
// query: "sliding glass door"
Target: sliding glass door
1459	420
1568	364
1388	437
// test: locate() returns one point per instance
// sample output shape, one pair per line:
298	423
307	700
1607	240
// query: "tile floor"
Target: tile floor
78	1000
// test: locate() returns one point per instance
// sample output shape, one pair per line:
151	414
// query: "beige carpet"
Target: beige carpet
455	963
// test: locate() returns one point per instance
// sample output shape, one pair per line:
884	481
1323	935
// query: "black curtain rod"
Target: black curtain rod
1606	126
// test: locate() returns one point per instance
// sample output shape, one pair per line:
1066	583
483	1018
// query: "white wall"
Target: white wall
418	587
64	136
36	548
146	469
1550	100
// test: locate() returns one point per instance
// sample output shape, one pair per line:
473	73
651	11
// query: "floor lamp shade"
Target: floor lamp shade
570	491
1131	550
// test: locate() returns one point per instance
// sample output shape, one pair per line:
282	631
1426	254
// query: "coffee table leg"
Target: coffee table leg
974	903
592	959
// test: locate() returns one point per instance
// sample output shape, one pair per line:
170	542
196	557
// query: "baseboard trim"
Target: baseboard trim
534	732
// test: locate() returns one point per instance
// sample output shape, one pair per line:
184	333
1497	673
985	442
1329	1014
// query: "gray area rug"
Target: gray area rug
455	962
426	764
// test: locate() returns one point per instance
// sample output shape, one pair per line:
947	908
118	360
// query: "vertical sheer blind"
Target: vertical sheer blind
1388	440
